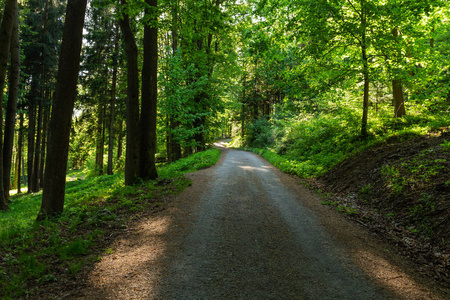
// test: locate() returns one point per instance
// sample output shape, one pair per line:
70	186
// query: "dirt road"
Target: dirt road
244	230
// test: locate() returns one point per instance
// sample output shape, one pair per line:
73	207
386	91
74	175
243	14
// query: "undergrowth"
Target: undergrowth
36	253
310	145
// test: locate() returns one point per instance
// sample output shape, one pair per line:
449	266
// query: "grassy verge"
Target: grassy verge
35	254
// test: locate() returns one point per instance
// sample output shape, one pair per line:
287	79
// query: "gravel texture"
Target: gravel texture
252	239
244	230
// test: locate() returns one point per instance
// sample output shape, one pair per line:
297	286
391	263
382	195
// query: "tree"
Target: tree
10	118
132	103
43	23
8	21
147	167
113	103
62	109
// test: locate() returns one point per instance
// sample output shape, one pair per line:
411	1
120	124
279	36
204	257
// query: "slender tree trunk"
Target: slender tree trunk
24	180
62	110
30	137
397	90
132	119
19	154
102	153
44	143
5	41
243	110
100	138
119	140
399	103
169	138
36	184
365	71
147	166
11	108
37	151
112	106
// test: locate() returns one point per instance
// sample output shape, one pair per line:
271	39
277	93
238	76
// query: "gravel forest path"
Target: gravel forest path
244	230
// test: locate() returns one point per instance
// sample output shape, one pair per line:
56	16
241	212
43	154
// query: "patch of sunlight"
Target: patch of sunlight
249	168
22	190
391	276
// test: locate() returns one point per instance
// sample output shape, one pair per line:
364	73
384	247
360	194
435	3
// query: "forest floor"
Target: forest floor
245	230
401	191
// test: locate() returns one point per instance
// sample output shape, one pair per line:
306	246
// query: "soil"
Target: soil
360	185
244	230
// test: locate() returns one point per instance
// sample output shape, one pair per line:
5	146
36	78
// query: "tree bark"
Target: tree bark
147	166
30	137
109	170
365	71
397	90
44	143
399	103
132	103
119	140
100	144
37	151
5	41
11	108
17	181
62	110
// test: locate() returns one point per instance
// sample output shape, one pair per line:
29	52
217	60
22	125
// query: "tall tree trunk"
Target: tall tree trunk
17	181
62	110
132	103
399	103
44	142
5	41
169	137
36	184
112	106
119	140
37	151
11	108
243	109
24	179
397	90
365	71
147	166
100	144
30	137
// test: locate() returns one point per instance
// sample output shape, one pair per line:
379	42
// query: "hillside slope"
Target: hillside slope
401	190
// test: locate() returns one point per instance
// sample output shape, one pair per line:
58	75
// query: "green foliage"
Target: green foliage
410	179
414	173
191	163
309	145
75	248
446	145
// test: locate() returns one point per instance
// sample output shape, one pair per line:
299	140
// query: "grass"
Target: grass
311	144
31	250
